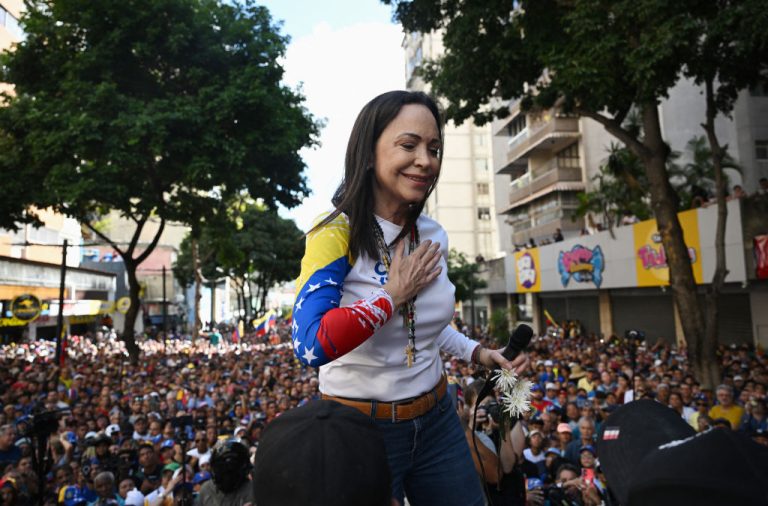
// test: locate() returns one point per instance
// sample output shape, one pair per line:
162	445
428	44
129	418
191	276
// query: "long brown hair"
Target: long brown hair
354	196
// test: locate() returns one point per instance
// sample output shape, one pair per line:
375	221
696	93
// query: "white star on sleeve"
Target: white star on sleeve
296	344
309	354
330	281
299	303
312	287
295	326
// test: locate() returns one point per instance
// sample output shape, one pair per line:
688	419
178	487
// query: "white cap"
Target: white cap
134	498
90	435
111	429
548	363
551	386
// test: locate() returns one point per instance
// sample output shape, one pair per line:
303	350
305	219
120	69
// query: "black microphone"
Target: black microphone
518	341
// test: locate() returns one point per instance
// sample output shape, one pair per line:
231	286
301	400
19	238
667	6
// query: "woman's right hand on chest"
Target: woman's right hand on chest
409	274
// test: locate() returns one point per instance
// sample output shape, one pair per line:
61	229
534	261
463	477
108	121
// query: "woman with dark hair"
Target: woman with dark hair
376	255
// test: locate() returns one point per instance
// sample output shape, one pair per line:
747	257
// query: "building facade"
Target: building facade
464	200
610	282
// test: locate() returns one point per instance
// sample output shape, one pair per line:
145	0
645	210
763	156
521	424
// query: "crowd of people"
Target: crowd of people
147	433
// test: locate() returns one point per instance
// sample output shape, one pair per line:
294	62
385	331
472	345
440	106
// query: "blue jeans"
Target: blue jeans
430	461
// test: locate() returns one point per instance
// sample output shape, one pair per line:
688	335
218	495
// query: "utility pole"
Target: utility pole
165	314
60	319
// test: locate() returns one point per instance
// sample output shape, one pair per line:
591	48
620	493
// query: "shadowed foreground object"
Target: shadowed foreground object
650	455
323	453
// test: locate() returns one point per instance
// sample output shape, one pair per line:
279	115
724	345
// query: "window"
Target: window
569	157
761	150
481	164
483	214
516	126
482	188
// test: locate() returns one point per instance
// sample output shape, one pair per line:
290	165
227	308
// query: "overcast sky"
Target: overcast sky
345	53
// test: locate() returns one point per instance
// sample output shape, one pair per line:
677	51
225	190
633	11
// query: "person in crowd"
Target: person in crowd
230	483
725	407
10	454
104	483
497	459
586	438
390	258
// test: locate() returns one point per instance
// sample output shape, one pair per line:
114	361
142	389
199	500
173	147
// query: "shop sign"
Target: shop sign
651	259
26	307
12	322
123	304
581	264
528	273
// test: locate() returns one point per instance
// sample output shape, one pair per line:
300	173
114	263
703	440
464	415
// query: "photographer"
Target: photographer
570	489
500	457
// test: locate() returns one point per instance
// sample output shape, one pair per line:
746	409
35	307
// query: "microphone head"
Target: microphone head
521	336
518	341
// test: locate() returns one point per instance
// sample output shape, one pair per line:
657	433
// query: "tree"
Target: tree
463	275
163	108
498	326
272	249
597	58
256	248
730	55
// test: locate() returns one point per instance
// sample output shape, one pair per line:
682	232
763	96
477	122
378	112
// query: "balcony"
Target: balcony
526	188
544	225
549	134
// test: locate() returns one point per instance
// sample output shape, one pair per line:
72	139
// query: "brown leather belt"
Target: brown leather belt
396	411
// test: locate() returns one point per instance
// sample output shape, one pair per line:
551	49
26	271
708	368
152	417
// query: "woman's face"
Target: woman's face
407	158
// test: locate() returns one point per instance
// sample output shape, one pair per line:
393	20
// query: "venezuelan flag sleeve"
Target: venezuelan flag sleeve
322	331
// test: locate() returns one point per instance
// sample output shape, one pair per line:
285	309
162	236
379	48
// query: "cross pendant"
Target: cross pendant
409	353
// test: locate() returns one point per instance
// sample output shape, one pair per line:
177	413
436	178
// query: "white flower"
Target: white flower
518	400
505	380
515	393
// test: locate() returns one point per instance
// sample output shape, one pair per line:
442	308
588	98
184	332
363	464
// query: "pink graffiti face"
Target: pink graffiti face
577	257
657	259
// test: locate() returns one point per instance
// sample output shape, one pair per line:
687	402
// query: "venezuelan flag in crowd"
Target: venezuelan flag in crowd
265	323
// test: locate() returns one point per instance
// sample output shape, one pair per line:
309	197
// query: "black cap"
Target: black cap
322	453
650	455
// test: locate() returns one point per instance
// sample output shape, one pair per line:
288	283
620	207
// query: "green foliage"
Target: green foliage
255	246
165	108
463	275
149	106
621	185
697	177
498	326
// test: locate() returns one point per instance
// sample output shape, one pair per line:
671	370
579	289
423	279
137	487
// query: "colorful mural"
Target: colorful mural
581	264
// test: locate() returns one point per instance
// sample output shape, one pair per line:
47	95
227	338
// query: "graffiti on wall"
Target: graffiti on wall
581	264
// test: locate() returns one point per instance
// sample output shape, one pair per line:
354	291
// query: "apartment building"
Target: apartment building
613	282
464	201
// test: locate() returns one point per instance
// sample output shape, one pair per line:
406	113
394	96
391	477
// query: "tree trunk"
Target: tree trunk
664	202
129	335
198	295
706	368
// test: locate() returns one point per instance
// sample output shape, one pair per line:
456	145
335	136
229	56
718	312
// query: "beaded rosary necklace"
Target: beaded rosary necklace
408	310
